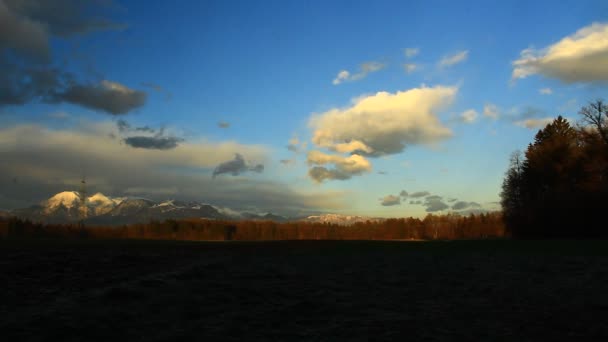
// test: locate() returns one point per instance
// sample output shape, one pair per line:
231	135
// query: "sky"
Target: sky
376	108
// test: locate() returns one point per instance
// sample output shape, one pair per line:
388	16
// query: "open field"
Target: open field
498	290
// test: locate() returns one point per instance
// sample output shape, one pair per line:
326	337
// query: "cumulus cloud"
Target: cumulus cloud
365	69
411	52
403	193
491	111
450	60
343	167
237	166
419	194
390	200
469	116
545	91
27	72
410	67
580	57
534	123
48	161
384	123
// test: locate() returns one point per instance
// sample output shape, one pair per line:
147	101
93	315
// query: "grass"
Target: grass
499	290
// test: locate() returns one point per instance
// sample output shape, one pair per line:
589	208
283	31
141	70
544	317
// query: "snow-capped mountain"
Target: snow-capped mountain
101	209
343	220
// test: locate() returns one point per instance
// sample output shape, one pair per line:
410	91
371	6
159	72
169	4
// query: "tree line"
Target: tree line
558	188
432	227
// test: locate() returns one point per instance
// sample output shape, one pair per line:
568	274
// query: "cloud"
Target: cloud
28	25
111	97
460	205
287	162
365	69
410	67
382	173
491	111
434	198
415	202
48	161
403	193
469	116
419	194
60	115
344	167
237	166
390	200
411	52
450	60
384	123
534	123
580	57
295	145
155	142
27	71
223	124
545	91
434	204
452	200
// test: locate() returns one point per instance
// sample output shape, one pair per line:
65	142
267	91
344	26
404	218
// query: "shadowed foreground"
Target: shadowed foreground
303	290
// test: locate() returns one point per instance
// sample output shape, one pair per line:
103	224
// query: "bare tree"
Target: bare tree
596	115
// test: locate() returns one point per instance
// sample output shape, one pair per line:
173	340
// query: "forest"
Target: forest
432	227
558	188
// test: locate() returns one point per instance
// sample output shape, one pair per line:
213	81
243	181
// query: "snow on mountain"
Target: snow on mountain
343	220
67	199
100	204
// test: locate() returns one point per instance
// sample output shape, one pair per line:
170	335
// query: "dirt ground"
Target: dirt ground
304	291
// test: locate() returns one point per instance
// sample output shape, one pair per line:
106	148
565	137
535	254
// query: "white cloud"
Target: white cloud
491	111
469	116
384	123
534	123
410	67
365	69
411	52
545	91
344	167
580	57
450	60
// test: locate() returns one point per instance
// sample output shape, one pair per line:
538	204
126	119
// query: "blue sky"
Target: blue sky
393	79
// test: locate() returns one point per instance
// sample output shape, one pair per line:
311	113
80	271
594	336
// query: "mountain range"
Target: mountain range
65	207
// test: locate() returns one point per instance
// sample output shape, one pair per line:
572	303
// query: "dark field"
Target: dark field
303	290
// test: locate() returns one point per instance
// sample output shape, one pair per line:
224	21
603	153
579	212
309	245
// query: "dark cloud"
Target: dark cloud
223	124
420	194
292	147
107	96
236	166
435	205
123	126
154	142
434	198
287	161
390	200
415	202
146	129
27	71
320	173
460	205
450	200
403	193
